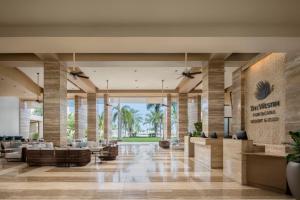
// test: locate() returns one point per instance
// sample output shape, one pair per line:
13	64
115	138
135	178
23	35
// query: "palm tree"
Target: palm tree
155	117
71	126
174	114
101	122
122	114
128	119
134	120
155	120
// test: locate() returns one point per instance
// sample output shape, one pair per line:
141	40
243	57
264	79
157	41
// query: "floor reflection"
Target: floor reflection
141	171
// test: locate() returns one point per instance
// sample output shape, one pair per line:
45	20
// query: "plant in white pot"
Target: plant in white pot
293	167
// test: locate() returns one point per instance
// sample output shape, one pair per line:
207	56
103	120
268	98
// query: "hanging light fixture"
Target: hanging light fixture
162	94
108	103
38	83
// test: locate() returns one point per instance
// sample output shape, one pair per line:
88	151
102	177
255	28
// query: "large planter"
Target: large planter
164	144
293	177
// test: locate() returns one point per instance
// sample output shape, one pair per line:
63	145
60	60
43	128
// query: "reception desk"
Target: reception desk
234	161
262	166
208	151
267	169
188	147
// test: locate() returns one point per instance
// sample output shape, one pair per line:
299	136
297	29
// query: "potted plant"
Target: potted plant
293	167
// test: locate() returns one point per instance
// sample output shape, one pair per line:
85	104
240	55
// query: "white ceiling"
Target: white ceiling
149	17
31	72
127	78
125	75
135	12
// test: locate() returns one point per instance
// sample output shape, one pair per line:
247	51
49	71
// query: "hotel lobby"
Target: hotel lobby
152	99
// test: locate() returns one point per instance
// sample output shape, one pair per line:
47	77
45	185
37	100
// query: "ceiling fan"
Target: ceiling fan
162	94
187	73
75	72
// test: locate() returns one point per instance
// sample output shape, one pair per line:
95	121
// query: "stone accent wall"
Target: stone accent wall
92	117
24	119
271	69
238	101
55	103
80	117
292	87
182	115
213	98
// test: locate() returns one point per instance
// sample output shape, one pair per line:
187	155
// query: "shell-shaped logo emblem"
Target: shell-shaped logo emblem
263	89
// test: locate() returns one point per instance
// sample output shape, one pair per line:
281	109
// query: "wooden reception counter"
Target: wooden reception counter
234	161
208	151
267	170
259	166
188	147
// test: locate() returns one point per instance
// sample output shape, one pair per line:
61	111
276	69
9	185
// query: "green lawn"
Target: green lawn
141	139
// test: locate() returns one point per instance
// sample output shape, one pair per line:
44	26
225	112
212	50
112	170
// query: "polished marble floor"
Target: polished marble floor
142	171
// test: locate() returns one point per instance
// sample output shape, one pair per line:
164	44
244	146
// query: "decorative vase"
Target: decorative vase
293	178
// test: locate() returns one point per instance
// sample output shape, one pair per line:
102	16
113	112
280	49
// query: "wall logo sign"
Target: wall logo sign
263	90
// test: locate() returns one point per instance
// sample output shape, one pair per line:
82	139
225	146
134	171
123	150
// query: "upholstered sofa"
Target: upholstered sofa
58	156
109	152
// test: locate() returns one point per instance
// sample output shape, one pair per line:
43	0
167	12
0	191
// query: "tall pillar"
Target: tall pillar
106	116
292	88
192	113
92	117
168	117
24	119
55	103
80	117
213	98
183	115
198	101
213	105
238	101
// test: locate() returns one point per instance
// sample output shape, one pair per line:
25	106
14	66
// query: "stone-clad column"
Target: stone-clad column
106	116
168	116
55	103
238	101
213	98
80	117
292	87
183	115
92	117
213	105
198	101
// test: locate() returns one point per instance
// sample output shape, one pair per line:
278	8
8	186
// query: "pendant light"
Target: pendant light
38	83
108	103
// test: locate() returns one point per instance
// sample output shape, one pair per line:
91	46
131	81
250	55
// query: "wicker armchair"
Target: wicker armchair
109	153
